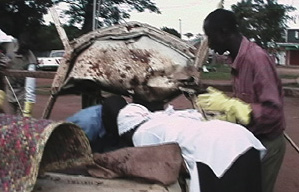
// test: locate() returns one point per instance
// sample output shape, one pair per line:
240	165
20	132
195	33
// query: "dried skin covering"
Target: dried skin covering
29	146
158	163
130	59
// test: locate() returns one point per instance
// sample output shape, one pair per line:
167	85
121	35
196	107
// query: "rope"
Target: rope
7	80
192	96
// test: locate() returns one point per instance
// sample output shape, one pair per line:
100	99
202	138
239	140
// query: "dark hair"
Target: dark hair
111	107
221	20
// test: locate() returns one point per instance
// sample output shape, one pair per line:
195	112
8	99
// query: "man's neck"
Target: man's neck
236	41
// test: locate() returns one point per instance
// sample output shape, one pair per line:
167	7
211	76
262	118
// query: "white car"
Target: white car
52	62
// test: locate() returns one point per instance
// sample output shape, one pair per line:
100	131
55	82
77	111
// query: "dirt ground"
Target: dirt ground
288	177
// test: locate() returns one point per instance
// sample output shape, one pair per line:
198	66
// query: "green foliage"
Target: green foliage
171	31
72	32
110	12
22	18
262	20
48	38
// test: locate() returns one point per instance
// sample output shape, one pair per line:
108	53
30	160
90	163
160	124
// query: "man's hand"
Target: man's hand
234	110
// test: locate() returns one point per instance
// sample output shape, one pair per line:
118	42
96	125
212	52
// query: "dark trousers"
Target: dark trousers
243	176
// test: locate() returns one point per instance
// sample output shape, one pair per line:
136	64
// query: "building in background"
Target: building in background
288	52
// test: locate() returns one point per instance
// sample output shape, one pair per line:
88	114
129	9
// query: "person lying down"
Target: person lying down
219	155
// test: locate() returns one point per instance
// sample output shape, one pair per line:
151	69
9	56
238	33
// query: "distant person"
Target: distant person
3	65
4	60
21	90
257	100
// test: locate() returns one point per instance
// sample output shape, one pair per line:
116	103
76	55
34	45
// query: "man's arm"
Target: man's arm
267	110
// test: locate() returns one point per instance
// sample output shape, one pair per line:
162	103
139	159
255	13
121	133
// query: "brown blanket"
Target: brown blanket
159	164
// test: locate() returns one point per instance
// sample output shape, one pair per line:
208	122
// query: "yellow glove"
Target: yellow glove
234	109
2	98
28	108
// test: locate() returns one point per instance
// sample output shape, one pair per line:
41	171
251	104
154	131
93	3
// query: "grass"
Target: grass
288	76
43	90
294	85
222	72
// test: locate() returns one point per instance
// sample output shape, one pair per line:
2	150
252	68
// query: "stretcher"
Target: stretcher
131	59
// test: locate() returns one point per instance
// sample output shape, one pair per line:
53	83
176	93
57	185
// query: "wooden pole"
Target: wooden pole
293	144
60	30
25	73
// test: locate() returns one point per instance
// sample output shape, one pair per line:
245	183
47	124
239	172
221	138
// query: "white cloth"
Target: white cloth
133	115
4	38
30	84
215	143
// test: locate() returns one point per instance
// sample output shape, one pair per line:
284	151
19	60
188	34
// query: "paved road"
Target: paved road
288	180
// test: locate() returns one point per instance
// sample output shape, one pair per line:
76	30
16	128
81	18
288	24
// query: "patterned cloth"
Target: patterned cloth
29	146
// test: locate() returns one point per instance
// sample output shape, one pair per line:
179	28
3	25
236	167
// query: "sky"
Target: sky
186	16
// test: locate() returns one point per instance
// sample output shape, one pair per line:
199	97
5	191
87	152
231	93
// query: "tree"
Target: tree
262	20
47	37
110	11
171	31
22	18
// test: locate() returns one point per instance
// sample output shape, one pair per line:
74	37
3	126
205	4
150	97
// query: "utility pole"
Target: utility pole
94	14
180	26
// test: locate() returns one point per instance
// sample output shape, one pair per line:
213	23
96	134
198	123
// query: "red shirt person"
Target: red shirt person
256	82
257	91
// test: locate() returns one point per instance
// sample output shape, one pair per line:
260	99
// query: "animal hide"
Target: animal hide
158	164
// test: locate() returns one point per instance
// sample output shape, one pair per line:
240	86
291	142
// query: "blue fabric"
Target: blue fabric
90	120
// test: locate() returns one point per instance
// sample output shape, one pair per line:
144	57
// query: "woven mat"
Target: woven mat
30	146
